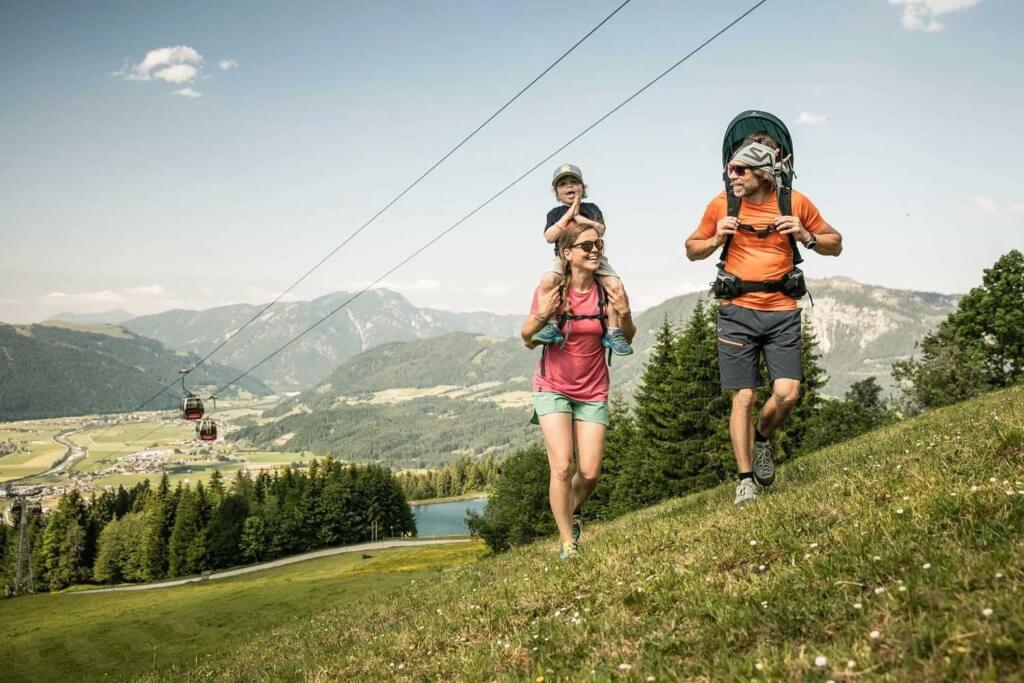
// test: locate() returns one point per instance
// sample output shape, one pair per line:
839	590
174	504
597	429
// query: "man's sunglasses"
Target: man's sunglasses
733	169
590	245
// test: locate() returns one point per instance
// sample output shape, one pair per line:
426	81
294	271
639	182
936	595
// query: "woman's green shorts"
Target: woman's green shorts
545	402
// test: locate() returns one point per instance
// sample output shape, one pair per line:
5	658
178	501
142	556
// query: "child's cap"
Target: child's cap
566	170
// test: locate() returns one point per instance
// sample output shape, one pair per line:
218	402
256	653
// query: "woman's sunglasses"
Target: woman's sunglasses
590	245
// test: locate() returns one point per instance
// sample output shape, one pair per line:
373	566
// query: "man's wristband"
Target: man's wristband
811	243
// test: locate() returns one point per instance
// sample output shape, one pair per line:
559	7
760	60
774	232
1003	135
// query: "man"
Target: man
759	313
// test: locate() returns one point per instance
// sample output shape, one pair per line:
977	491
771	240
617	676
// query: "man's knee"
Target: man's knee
786	393
743	399
550	280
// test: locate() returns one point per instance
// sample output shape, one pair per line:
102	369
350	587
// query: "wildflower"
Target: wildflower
879	590
992	480
759	666
625	667
850	664
974	489
821	660
650	679
875	635
903	589
999	575
987	612
814	545
926	565
876	558
753	542
539	679
899	511
857	605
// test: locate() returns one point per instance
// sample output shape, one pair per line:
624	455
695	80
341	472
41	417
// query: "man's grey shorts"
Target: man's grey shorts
744	333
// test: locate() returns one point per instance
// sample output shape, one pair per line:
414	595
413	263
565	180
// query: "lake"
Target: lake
445	519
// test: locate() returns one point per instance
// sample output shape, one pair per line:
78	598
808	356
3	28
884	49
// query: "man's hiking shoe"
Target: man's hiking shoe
616	341
764	468
577	528
746	491
549	334
569	551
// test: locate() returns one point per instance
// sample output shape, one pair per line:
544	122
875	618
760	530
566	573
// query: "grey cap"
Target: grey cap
566	170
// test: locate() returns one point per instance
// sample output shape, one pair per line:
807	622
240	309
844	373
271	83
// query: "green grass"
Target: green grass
42	451
879	558
123	635
106	445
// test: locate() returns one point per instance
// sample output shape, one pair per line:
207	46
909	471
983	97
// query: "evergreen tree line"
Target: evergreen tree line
676	439
465	475
146	534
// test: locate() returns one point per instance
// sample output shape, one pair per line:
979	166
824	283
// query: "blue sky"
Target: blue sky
174	182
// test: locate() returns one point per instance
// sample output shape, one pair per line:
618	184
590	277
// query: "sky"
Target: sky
192	154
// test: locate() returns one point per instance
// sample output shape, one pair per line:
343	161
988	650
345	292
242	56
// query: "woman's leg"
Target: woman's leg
589	438
558	432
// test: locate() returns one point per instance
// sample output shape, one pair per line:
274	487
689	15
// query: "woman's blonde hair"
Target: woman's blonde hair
568	238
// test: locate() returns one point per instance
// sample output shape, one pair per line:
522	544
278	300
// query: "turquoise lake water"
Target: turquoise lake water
445	519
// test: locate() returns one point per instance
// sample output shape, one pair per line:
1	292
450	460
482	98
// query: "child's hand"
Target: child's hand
573	212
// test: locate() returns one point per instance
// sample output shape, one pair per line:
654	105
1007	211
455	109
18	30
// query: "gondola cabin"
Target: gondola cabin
192	407
207	430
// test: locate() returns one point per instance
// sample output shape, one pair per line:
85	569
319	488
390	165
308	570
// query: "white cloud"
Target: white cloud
985	204
179	73
103	296
809	119
227	64
187	92
1017	208
920	15
161	59
149	290
494	290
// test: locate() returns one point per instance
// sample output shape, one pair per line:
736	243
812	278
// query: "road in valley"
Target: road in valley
362	547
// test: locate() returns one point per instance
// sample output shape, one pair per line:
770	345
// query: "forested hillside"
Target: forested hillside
51	371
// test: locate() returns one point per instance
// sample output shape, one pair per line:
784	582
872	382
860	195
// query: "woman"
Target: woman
571	382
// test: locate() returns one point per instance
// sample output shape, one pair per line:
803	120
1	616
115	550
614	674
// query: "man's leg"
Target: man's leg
785	393
741	429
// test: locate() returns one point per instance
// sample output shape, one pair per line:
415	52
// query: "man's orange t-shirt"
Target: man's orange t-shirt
761	259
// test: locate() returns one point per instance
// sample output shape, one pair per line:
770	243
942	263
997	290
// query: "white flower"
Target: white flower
753	542
649	679
850	664
821	660
926	565
814	545
876	558
857	605
625	667
759	666
999	575
875	635
987	612
899	511
879	590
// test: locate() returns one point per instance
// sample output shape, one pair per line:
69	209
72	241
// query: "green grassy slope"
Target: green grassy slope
895	556
113	636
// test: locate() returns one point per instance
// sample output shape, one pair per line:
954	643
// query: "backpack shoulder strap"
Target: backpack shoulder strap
785	197
733	203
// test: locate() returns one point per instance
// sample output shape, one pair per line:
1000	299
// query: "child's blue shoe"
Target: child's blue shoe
550	334
616	341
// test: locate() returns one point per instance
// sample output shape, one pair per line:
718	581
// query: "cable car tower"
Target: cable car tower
22	510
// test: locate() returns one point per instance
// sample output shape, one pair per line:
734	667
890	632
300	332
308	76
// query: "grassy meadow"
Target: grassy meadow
896	556
36	436
118	636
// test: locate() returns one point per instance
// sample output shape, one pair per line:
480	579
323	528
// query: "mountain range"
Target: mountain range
424	402
377	317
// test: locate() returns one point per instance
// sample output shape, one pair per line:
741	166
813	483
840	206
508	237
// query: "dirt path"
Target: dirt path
362	547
